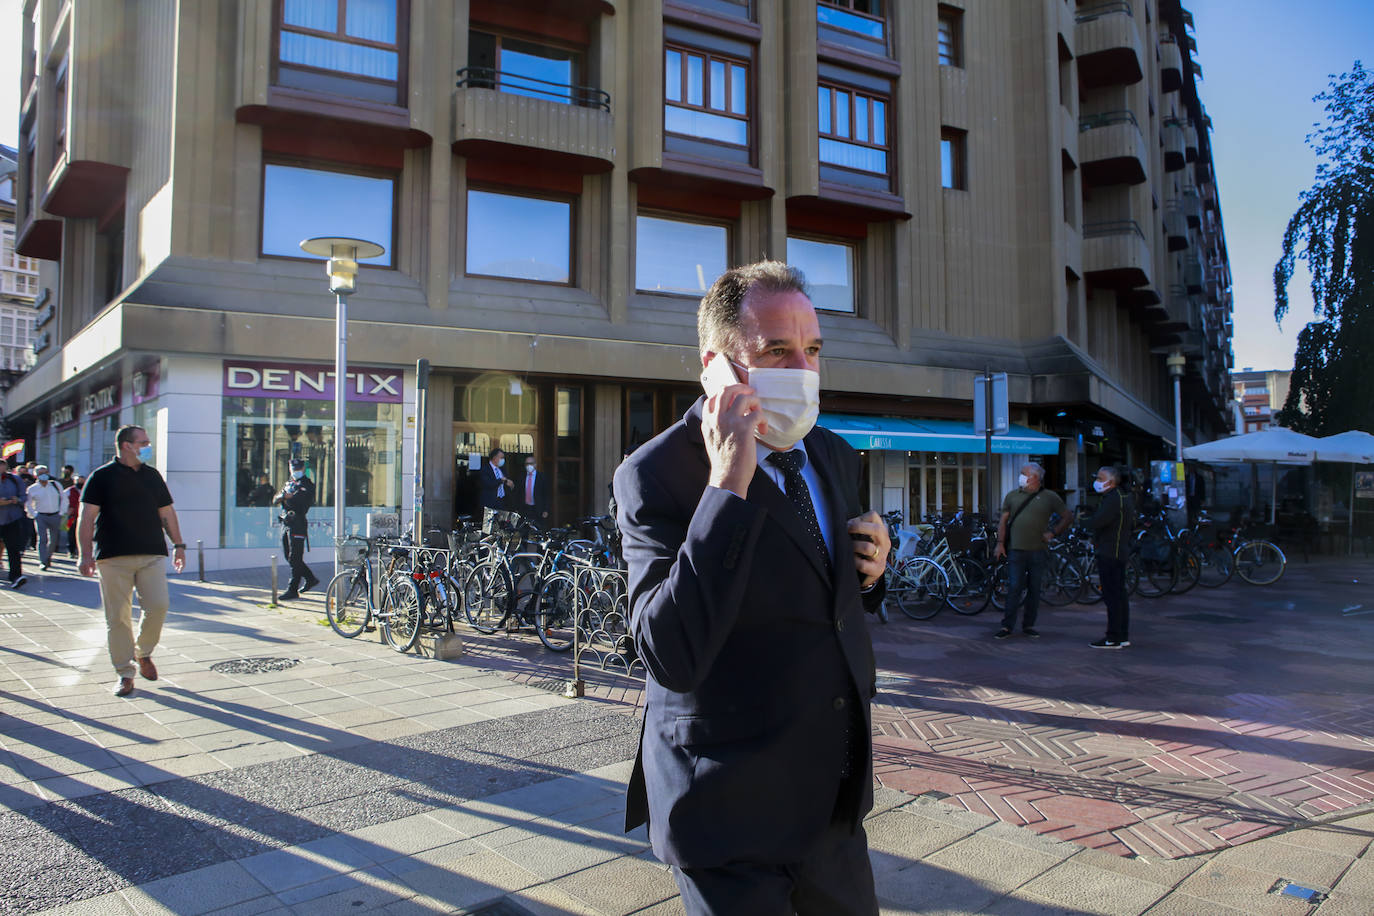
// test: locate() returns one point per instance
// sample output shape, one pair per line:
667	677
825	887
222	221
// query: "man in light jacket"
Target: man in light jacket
45	505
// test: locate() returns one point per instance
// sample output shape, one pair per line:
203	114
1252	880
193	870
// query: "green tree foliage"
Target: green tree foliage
1333	231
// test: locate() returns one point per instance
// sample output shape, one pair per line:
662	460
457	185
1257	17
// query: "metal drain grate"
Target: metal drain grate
254	665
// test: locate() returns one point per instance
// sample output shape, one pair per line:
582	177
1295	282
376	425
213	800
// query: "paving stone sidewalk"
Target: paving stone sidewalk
360	780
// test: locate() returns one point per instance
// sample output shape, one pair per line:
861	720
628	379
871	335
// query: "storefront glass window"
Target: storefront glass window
943	483
262	435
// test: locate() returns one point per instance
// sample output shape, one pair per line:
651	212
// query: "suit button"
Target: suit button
839	626
839	703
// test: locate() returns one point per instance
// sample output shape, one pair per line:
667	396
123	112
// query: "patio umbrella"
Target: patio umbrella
1355	447
1275	445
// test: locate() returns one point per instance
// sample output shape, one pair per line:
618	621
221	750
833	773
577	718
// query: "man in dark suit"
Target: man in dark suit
750	570
534	495
495	483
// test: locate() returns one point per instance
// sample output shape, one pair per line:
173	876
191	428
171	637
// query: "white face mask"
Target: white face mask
500	462
1022	481
297	474
790	399
1100	486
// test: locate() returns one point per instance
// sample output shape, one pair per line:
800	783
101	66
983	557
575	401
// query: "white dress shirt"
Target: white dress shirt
45	498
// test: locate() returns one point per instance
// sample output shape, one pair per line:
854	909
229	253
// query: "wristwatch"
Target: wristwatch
178	546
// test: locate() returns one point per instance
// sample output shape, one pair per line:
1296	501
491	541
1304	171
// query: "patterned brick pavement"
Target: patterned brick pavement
1235	714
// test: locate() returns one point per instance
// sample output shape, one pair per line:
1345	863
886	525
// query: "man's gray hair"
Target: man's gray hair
1035	466
1113	472
718	317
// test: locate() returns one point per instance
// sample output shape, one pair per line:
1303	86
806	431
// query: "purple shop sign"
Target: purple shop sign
102	402
309	382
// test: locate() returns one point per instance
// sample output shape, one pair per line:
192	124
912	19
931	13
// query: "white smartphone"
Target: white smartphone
718	374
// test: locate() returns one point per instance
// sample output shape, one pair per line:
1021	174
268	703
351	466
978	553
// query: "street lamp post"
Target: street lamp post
343	255
1176	362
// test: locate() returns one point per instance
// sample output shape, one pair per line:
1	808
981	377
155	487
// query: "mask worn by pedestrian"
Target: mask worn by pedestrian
1022	481
297	474
145	454
789	399
43	477
1099	486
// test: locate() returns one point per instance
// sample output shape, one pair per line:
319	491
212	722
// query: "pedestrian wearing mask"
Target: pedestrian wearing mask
1112	526
1025	522
751	566
535	504
45	505
72	494
296	498
14	529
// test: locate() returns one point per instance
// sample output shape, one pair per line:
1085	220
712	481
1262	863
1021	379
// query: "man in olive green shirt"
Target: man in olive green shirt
1026	514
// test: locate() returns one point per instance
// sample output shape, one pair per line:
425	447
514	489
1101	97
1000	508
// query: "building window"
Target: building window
59	109
853	129
300	202
519	237
678	256
865	17
706	96
521	67
953	159
109	254
951	36
343	47
943	483
829	270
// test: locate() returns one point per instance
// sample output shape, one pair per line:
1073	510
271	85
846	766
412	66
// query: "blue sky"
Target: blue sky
1262	62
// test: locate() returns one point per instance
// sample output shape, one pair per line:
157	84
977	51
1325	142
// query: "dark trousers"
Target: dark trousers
1024	571
293	546
16	538
1112	575
835	880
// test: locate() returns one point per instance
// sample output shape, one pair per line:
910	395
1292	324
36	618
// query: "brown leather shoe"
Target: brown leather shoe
147	669
126	687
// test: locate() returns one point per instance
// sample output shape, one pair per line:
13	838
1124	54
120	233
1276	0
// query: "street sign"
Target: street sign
1001	413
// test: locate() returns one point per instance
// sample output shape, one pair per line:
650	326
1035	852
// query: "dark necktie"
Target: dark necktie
800	496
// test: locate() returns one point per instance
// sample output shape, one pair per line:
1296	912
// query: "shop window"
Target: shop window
950	36
302	202
519	237
677	255
943	483
706	96
863	17
527	68
568	445
953	159
354	48
829	271
853	129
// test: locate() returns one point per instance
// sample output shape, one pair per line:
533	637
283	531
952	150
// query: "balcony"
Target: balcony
1108	45
1115	253
1189	142
1111	149
1172	132
1178	309
505	116
1192	206
1170	64
1192	275
1175	226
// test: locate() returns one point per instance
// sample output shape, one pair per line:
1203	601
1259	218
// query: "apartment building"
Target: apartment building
1262	394
18	289
1024	187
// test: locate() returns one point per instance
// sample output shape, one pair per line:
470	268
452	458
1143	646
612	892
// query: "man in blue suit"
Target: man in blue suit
751	568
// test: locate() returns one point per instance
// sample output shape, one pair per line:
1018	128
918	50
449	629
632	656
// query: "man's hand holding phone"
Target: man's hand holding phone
728	425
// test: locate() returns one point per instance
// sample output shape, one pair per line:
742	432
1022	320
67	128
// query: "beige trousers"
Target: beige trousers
119	576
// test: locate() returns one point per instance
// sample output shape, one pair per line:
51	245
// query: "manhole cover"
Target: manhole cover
254	665
502	907
1209	618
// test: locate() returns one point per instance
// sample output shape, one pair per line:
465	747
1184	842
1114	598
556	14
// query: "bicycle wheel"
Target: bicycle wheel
554	613
1091	593
919	588
1189	566
450	599
975	588
1218	566
405	610
345	603
1157	572
1061	581
999	586
486	596
1260	562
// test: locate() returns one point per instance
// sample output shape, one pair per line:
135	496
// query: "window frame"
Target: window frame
678	216
886	147
707	56
958	140
577	97
848	6
855	265
402	49
533	194
953	17
343	168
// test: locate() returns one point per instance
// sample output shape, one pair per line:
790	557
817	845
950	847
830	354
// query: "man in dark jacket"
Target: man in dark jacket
1112	526
750	570
296	498
14	529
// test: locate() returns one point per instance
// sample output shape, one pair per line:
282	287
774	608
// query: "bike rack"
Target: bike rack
601	626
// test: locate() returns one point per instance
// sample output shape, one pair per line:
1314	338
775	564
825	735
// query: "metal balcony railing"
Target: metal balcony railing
1112	227
488	78
1098	10
1106	118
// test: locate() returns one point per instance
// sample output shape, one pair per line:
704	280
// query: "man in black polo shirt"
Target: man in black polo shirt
125	507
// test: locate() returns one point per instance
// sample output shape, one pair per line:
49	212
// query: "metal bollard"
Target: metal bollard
272	559
200	557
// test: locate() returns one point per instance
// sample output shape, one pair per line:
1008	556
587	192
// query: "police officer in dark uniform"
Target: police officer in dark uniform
296	498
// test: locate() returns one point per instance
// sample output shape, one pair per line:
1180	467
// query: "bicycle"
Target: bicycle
349	602
1259	561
